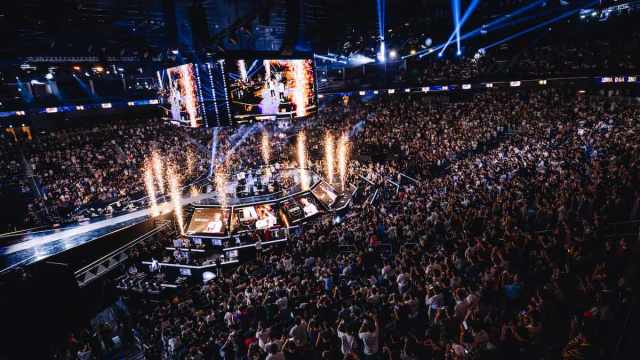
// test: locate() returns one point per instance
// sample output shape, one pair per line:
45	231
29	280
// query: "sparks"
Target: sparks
176	198
157	170
221	185
343	159
266	148
300	91
191	162
243	69
187	88
329	152
302	160
151	191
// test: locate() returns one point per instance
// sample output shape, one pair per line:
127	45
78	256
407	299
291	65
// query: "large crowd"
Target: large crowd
93	171
503	227
506	251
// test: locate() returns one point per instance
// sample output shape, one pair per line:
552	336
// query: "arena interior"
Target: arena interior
319	179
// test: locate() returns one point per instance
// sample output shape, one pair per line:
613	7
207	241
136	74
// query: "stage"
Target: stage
35	246
288	207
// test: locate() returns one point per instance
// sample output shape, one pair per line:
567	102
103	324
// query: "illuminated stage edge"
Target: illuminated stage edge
215	219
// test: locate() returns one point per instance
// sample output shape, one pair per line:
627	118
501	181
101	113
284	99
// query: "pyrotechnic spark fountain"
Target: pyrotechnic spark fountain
300	91
151	191
243	69
191	162
187	91
266	148
221	186
343	159
176	198
302	160
329	152
267	69
157	170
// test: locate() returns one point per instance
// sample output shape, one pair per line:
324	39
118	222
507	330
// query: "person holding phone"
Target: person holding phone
369	334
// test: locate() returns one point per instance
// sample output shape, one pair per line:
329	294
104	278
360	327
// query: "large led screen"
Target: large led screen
211	221
257	217
179	90
276	87
325	194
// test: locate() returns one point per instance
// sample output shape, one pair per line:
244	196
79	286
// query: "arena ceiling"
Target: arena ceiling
126	27
137	27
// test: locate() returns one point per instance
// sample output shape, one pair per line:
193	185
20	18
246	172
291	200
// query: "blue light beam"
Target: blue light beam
492	26
456	32
456	21
381	13
538	26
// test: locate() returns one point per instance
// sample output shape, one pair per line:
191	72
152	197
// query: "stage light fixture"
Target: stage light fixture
49	76
413	51
393	54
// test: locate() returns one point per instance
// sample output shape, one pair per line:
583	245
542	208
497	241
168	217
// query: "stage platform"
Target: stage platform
29	247
34	246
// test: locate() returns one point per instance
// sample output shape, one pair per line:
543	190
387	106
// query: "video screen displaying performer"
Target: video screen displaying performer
309	206
257	217
271	87
208	221
325	194
179	91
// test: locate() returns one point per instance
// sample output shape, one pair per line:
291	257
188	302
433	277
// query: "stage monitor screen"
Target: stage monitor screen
309	205
268	88
325	194
180	93
257	217
211	221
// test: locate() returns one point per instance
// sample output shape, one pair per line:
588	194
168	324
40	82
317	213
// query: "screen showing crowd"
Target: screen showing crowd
271	88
